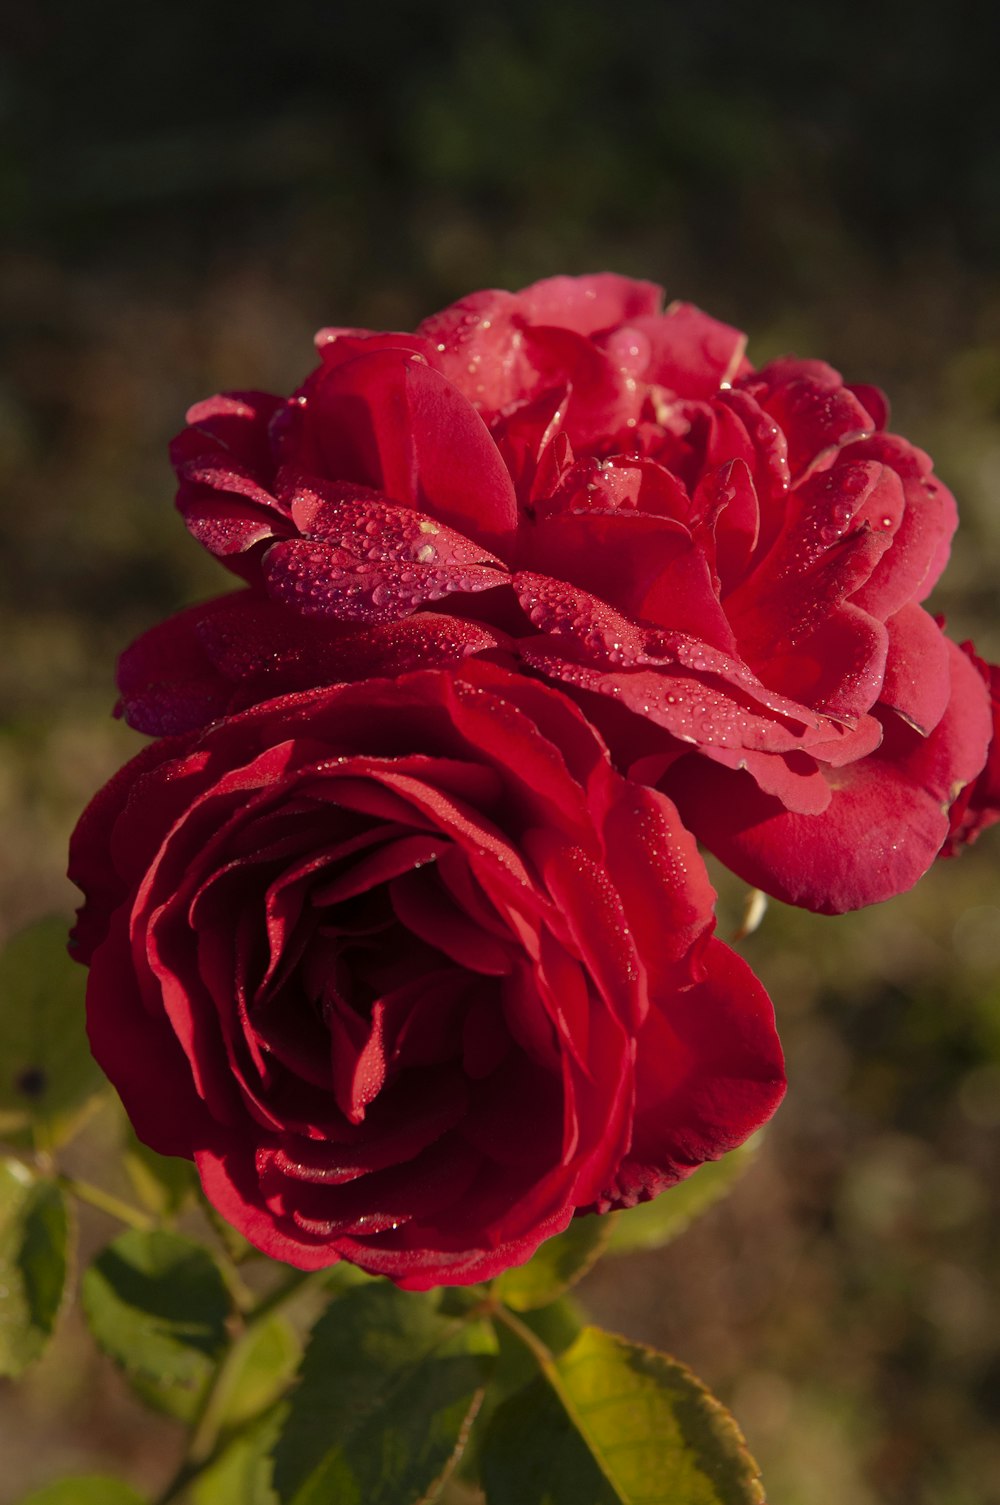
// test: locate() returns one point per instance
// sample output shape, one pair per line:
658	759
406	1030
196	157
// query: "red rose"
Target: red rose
413	974
978	805
723	566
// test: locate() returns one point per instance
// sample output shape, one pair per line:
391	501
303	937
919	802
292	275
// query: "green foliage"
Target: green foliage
163	1183
557	1264
34	1261
389	1387
256	1374
242	1473
266	1360
652	1224
157	1304
557	1326
87	1489
615	1423
47	1074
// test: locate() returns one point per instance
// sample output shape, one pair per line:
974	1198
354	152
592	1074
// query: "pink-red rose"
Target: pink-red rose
978	805
413	974
723	566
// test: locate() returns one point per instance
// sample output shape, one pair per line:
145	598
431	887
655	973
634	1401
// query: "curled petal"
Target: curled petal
882	829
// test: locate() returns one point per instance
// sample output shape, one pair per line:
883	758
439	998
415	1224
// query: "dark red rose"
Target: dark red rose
723	566
978	805
413	974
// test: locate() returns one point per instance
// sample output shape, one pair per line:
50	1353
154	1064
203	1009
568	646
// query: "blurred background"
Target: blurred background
188	191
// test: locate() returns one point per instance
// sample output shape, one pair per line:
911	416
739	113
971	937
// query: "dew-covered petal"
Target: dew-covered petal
662	882
882	829
691	353
648	568
816	412
825	551
917	674
227	445
922	542
387	420
320	581
838	667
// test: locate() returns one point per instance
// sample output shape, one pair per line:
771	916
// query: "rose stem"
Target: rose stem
94	1196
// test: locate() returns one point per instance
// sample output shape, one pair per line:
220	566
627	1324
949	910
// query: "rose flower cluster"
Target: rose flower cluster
399	928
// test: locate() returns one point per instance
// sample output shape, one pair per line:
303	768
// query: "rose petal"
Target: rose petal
882	829
916	684
708	1075
692	353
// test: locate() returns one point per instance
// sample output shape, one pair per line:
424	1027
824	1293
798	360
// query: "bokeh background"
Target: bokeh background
187	191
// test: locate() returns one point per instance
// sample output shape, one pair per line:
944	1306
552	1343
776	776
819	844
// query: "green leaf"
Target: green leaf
48	1078
615	1423
87	1489
388	1392
268	1359
557	1326
157	1304
556	1265
652	1224
257	1372
343	1277
34	1262
163	1183
242	1473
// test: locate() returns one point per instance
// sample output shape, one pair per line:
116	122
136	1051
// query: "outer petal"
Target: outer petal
237	650
230	431
709	1072
162	1103
882	829
92	865
910	570
917	668
228	1174
978	805
664	886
